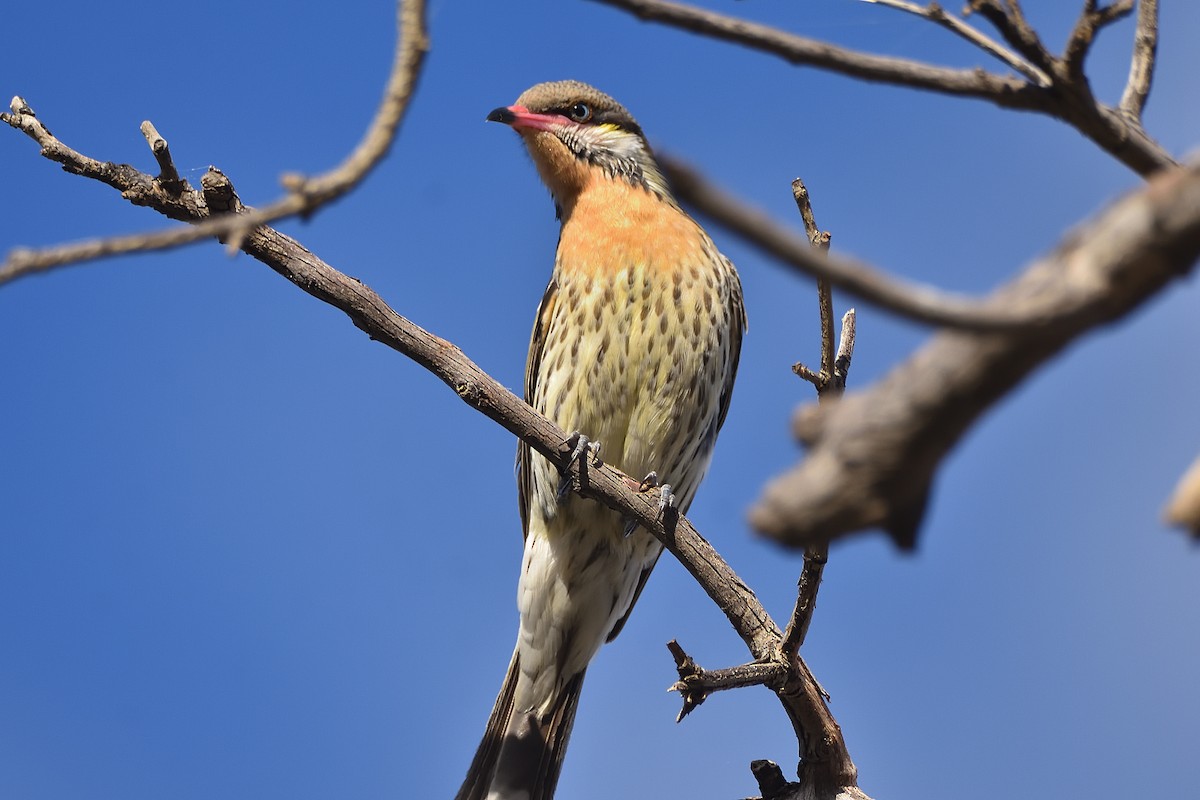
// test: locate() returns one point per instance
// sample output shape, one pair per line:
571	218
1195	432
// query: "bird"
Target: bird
635	347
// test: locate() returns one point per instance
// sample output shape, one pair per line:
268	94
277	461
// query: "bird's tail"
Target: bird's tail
521	753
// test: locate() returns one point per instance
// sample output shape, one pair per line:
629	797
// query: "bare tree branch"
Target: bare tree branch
845	351
1007	91
305	195
168	175
774	786
1008	18
1090	21
815	559
873	454
696	684
830	383
936	14
1141	65
818	240
1066	99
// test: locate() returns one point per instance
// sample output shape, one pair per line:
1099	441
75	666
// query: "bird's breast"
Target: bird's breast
637	348
612	225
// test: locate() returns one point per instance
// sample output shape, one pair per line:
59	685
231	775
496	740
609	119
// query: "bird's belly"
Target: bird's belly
636	364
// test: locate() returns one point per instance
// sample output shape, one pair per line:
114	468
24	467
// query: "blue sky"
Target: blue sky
247	553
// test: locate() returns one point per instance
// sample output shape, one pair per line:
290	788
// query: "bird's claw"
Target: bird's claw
666	498
579	445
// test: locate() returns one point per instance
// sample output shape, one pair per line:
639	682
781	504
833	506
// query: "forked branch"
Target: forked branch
1067	96
939	16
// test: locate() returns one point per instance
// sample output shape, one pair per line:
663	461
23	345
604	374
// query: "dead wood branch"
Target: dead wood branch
872	455
696	684
830	383
939	16
1141	65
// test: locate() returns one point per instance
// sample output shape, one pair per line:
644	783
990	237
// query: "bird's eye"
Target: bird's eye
580	112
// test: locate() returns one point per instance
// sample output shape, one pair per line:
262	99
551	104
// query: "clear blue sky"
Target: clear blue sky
247	553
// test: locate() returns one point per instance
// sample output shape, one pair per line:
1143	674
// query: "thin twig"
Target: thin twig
695	684
411	46
1002	89
168	175
1007	17
825	304
830	384
1083	34
804	206
1141	65
936	14
815	558
845	351
304	196
819	240
803	371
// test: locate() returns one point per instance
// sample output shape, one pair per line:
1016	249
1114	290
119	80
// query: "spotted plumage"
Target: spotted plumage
635	345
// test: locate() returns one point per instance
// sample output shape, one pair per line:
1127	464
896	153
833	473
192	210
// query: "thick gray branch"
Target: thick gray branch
872	455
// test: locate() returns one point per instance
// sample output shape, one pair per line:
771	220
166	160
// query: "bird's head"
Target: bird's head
577	134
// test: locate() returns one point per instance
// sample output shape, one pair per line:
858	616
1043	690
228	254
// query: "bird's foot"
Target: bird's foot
666	497
579	445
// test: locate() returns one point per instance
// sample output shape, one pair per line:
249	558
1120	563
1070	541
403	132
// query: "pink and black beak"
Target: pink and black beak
521	118
505	115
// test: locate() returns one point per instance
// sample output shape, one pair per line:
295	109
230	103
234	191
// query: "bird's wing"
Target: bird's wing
537	344
738	326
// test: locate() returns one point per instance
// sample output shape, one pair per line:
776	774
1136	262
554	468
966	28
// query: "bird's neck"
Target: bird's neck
571	178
